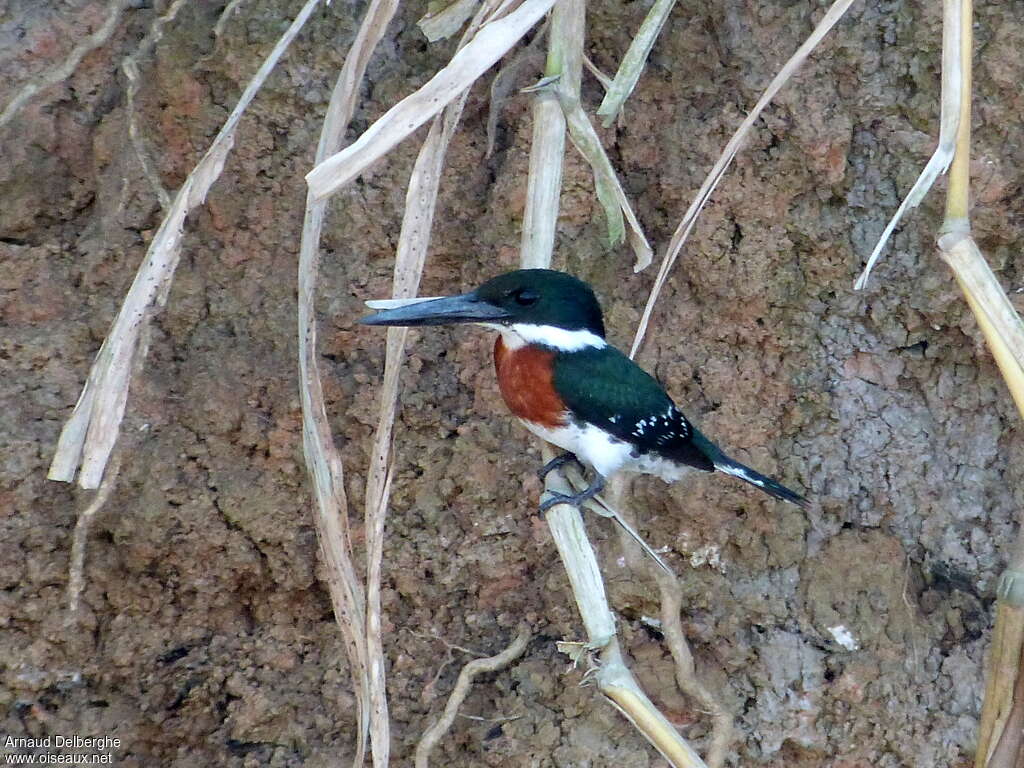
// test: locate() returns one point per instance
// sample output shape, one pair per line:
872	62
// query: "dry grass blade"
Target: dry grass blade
487	46
447	21
413	241
949	121
380	722
602	78
322	459
834	14
63	70
476	667
409	261
609	190
634	61
89	435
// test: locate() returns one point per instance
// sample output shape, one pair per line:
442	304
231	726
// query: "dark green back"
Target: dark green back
598	384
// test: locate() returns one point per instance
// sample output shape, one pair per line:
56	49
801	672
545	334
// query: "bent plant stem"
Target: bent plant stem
614	679
63	70
999	741
686	673
76	576
88	436
634	61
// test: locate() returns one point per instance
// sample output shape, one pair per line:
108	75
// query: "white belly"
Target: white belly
605	453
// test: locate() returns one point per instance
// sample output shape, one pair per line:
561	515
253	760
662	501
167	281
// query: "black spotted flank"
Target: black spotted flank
605	388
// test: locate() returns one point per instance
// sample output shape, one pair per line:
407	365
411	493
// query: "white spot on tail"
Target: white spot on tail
741	472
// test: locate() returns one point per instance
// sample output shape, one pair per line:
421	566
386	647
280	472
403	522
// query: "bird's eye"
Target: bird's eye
525	296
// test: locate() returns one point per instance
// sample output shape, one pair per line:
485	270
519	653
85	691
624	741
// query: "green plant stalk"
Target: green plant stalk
634	61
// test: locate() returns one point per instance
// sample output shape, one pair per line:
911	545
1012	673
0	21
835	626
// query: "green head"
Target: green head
532	298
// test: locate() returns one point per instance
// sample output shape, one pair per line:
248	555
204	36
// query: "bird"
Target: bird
561	378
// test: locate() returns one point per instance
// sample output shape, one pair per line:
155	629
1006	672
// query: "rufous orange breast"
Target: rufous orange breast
525	380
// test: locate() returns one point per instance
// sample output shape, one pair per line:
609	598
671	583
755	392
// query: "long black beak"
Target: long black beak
467	308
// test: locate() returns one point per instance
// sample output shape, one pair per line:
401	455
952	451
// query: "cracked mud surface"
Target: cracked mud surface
853	636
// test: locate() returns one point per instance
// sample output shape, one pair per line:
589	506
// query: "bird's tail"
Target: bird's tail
772	487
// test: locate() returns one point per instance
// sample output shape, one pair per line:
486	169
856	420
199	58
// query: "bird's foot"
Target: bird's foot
557	463
575	499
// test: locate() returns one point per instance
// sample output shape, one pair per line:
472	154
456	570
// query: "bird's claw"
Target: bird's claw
557	463
554	498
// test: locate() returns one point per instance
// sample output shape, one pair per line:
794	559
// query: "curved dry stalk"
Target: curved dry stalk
953	95
76	571
487	46
413	241
434	733
834	14
63	70
686	673
323	462
89	435
225	16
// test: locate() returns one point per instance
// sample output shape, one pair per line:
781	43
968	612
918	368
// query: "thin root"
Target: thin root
435	732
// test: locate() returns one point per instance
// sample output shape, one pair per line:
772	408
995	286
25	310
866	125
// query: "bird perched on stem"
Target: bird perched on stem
568	386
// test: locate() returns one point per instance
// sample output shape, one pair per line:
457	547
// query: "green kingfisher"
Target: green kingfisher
569	386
